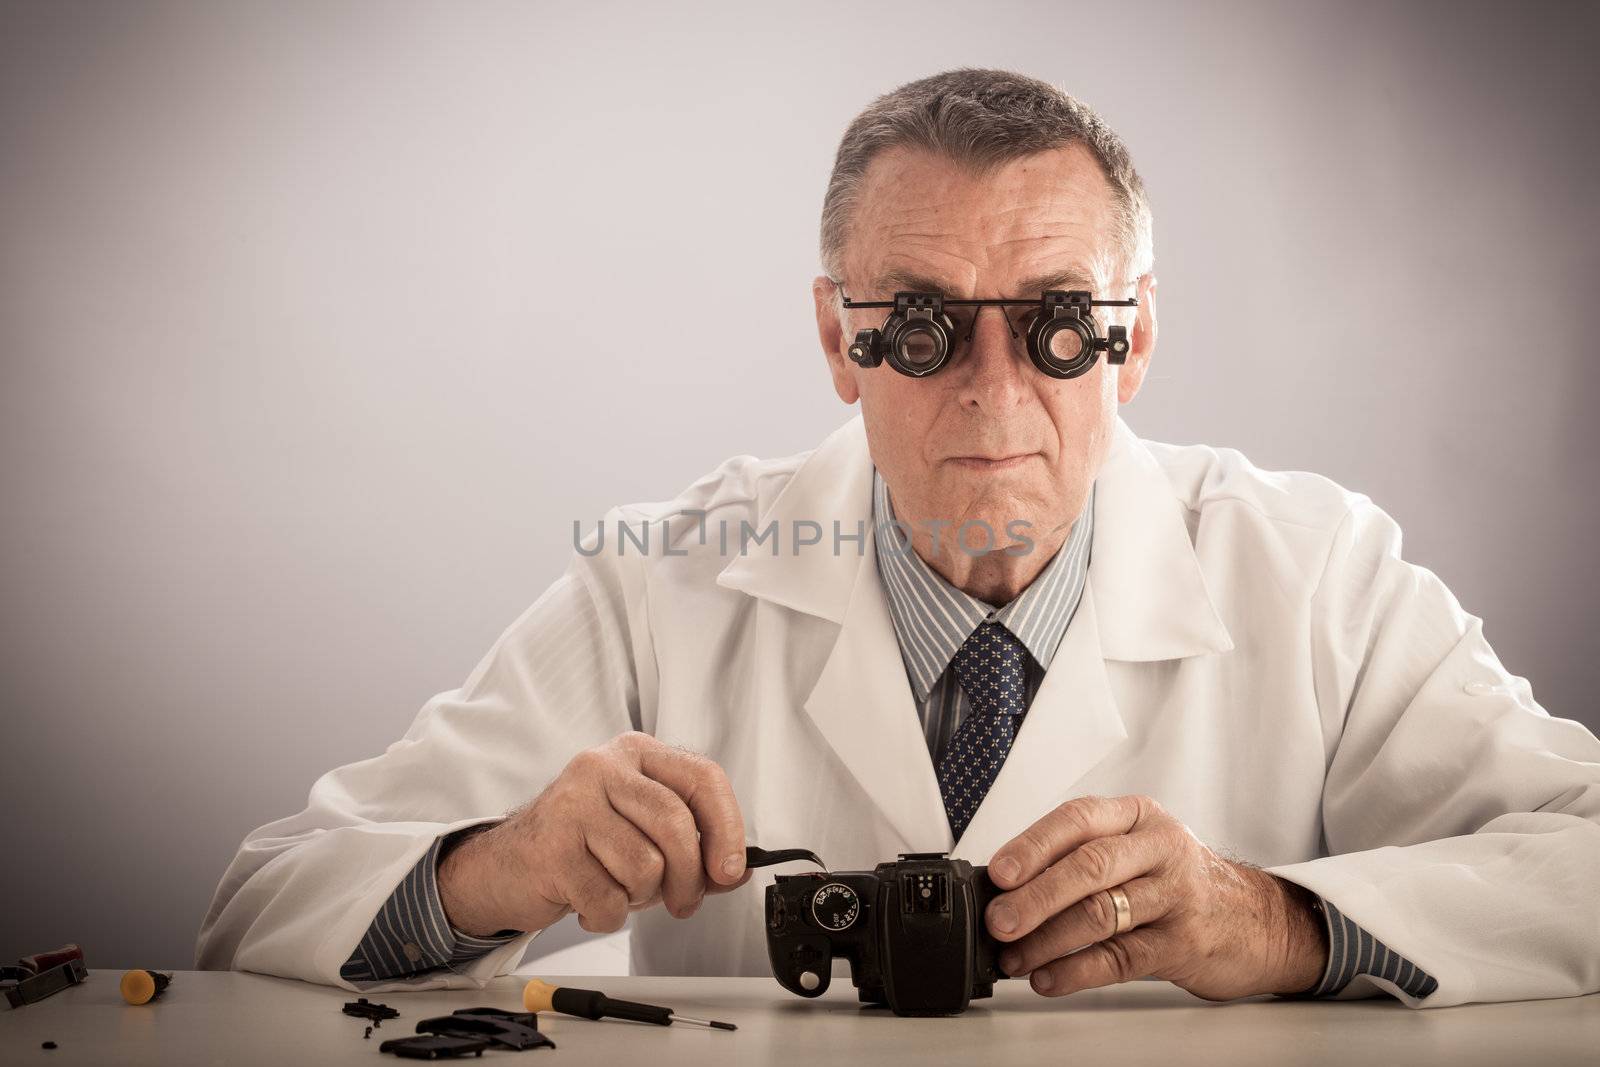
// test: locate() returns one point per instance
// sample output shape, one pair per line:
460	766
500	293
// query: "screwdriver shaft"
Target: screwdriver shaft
714	1024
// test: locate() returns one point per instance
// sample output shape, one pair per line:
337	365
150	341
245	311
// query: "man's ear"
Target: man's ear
834	343
1141	342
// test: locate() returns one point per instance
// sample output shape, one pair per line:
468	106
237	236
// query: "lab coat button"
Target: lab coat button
1479	689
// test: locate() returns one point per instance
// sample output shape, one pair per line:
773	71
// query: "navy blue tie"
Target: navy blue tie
992	667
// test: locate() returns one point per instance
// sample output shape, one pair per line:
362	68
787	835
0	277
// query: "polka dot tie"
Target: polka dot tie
991	666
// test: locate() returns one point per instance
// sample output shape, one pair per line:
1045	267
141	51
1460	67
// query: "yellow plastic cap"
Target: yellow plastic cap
138	987
536	995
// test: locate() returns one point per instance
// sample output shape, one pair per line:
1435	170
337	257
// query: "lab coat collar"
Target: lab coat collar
1153	601
1145	599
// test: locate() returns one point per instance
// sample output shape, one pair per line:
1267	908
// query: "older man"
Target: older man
1201	720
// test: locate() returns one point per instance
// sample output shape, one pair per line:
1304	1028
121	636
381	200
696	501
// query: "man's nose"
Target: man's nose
995	365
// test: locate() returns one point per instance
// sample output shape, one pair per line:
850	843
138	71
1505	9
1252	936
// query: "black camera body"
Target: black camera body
913	931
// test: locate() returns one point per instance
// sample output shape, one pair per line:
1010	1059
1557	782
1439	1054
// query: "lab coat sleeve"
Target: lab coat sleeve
573	671
1462	821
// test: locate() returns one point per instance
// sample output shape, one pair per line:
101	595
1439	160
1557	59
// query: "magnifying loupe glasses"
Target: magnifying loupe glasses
920	336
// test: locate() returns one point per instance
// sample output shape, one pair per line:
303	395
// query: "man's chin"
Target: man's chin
992	529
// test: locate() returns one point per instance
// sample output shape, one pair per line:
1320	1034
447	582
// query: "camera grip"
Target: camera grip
801	963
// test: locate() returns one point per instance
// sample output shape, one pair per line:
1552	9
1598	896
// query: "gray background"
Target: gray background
320	324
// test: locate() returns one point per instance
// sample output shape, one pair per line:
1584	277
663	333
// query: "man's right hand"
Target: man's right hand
625	825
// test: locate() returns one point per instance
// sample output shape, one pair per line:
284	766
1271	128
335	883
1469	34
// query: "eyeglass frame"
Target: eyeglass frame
923	312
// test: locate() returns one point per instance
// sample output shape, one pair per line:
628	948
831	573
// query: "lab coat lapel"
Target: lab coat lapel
1152	597
861	702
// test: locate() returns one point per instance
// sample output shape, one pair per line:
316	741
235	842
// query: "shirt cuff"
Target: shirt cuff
1353	951
411	934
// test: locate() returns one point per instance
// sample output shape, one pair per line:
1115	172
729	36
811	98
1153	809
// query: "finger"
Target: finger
1093	866
631	858
1122	958
705	788
1092	919
1060	831
713	888
601	904
663	817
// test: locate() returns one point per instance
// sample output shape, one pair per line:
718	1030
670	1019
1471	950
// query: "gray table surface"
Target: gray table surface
232	1018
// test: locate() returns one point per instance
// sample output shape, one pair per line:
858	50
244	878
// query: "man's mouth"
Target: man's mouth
992	463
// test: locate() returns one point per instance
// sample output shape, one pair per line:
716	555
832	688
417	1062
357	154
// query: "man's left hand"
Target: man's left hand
1214	927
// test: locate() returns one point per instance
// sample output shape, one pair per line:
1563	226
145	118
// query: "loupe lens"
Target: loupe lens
919	348
1065	345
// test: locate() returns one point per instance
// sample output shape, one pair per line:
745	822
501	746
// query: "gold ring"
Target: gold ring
1119	900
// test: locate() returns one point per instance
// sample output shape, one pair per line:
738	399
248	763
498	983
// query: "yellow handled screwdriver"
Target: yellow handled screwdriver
539	995
141	986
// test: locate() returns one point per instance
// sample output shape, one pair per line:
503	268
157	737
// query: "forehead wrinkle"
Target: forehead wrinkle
1082	253
1044	206
900	213
930	260
1037	276
911	188
907	239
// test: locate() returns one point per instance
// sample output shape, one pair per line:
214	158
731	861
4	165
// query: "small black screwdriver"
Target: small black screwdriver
540	995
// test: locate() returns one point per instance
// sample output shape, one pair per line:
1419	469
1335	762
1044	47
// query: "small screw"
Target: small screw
48	1044
368	1034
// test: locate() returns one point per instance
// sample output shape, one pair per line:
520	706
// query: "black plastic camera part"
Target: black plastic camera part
912	930
435	1047
516	1031
366	1009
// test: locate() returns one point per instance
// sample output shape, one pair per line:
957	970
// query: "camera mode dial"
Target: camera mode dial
836	907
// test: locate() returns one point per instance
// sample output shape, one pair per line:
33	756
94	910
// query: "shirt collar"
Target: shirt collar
932	617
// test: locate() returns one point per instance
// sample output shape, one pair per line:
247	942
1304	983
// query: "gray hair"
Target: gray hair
981	119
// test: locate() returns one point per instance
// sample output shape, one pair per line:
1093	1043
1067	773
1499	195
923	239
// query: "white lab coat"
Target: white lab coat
1251	650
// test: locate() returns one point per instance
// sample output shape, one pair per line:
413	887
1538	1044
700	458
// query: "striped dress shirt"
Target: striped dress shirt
412	935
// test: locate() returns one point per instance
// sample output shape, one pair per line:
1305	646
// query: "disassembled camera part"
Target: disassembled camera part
365	1009
468	1032
434	1047
516	1031
913	931
141	987
919	336
42	975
